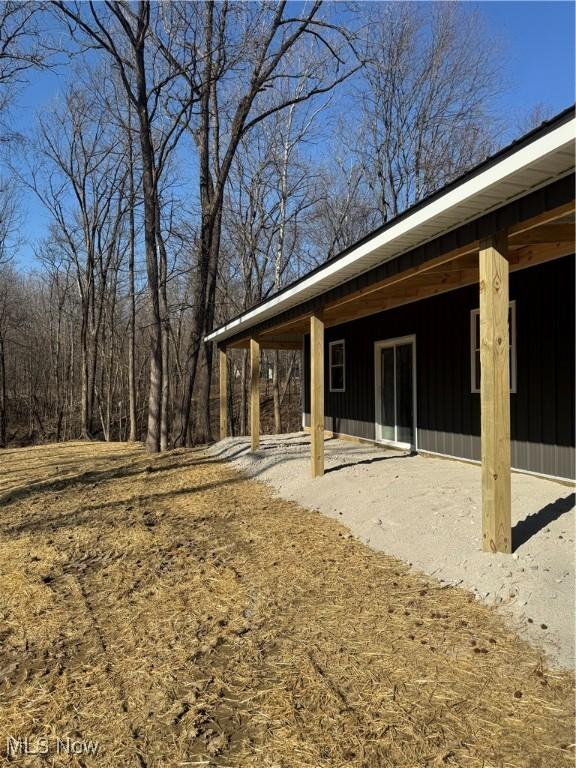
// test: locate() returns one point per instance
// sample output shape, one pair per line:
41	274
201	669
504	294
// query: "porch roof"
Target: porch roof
530	163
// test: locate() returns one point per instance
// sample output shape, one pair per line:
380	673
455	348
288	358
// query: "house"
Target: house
450	330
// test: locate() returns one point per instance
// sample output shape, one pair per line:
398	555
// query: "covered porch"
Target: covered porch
510	213
486	262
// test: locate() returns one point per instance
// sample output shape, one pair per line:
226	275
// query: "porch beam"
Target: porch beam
408	274
317	393
254	394
277	344
539	253
415	290
547	233
223	358
495	394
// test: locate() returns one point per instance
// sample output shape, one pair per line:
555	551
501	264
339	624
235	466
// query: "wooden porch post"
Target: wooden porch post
255	393
317	393
495	395
223	393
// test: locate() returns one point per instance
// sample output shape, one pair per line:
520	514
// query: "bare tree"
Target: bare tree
344	211
82	184
131	283
128	34
19	51
57	302
244	51
426	88
267	202
7	307
224	99
10	219
533	117
18	54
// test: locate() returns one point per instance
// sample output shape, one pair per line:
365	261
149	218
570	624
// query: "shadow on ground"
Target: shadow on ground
533	524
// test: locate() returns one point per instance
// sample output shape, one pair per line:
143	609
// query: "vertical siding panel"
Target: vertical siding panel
519	402
534	381
548	328
564	361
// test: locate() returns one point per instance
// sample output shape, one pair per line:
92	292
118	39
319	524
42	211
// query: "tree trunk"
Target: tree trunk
3	414
209	225
200	324
131	300
110	389
71	388
230	395
85	385
202	426
93	359
203	422
197	330
279	263
165	403
149	195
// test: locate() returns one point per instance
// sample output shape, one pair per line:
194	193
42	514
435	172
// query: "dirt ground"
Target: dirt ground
178	614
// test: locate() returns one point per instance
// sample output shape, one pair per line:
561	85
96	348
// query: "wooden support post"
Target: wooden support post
495	395
255	393
317	393
223	393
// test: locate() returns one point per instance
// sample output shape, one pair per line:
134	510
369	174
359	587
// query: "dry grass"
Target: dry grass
181	615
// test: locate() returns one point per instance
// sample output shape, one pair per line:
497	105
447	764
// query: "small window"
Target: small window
475	347
337	366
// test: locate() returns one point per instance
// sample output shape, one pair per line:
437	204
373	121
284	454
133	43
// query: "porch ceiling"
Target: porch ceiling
541	239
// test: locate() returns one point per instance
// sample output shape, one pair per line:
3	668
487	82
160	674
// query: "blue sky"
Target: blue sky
536	40
539	64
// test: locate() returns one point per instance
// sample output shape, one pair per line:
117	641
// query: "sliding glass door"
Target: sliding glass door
395	395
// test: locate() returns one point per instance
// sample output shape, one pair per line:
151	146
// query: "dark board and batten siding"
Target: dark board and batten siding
542	410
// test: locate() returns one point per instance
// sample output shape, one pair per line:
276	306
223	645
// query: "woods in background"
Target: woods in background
197	158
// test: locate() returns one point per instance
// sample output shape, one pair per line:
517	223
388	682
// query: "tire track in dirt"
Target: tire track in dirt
115	683
82	641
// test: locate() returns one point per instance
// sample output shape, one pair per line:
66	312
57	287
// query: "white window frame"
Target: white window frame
332	365
475	346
